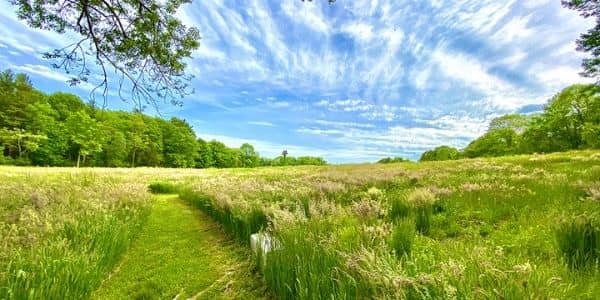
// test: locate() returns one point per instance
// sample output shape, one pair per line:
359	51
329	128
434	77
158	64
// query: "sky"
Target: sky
354	81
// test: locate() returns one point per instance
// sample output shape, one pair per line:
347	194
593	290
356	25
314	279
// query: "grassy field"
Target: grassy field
512	227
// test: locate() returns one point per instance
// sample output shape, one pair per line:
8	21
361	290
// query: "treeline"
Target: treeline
59	129
570	121
392	160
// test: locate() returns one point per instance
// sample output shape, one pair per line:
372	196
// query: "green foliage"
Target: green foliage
180	145
578	239
142	41
248	156
497	142
571	120
392	160
518	123
293	161
588	42
440	153
84	135
61	130
402	237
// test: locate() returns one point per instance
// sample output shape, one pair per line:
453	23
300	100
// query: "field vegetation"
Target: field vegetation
511	227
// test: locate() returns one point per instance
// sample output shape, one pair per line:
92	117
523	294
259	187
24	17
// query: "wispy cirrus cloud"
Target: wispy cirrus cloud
366	78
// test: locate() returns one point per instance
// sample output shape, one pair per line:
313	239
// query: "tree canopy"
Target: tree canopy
440	153
59	129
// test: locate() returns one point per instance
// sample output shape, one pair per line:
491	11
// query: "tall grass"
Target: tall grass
578	239
161	187
399	207
421	201
402	238
489	237
72	264
241	223
63	234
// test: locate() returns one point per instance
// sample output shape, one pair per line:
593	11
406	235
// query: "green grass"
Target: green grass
61	235
163	188
578	239
180	252
483	228
497	228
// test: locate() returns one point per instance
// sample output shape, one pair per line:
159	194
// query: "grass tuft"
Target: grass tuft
402	237
578	239
163	188
399	208
422	201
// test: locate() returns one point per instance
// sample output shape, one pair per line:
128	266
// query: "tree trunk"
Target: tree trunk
133	159
19	146
78	158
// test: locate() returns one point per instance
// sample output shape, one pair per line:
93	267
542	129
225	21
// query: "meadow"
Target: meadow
511	227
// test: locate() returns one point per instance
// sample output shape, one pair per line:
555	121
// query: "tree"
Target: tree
518	123
204	159
16	93
20	142
65	104
390	160
569	114
588	42
180	146
114	149
249	157
440	153
497	142
141	40
84	135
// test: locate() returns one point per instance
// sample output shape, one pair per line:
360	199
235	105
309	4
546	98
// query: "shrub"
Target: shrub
163	188
402	237
578	240
421	201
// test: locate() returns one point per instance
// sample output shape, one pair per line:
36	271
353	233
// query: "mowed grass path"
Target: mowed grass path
181	253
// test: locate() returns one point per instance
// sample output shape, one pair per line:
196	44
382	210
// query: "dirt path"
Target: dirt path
181	254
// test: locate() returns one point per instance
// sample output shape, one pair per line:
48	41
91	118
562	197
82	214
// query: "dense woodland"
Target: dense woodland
60	129
570	121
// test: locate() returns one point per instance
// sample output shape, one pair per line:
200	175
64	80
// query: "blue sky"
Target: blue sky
353	81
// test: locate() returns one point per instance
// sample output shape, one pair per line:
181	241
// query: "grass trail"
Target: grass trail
181	253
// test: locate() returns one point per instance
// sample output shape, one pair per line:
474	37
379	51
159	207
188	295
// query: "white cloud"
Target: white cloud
307	13
360	31
262	123
339	124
